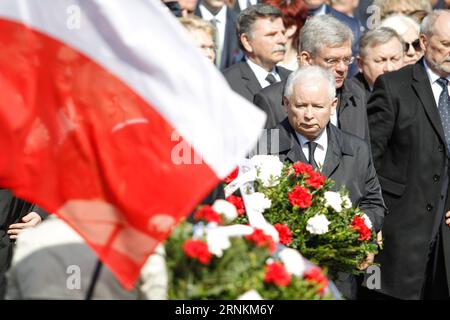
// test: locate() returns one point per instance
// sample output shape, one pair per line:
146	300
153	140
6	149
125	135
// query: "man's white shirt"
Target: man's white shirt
221	19
321	149
261	73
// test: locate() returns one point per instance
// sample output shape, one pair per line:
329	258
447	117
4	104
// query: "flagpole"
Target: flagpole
94	279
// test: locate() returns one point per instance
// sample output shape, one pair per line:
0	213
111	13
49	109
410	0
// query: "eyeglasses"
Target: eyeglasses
335	61
415	44
208	48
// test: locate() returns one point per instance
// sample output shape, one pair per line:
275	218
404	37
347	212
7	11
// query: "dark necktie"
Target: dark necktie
271	78
444	109
311	148
218	60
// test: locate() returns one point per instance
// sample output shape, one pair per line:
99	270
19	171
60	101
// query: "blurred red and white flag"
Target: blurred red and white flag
94	97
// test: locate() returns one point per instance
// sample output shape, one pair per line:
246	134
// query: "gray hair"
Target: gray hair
400	23
310	74
427	26
375	37
248	17
323	31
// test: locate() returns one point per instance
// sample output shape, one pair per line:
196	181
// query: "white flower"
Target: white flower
268	169
217	242
333	200
346	202
250	295
318	224
200	229
367	221
258	202
227	209
293	261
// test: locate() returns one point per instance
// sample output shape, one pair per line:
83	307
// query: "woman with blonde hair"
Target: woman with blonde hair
202	33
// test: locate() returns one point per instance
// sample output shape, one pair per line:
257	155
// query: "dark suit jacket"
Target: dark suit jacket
231	53
410	156
349	163
352	114
243	81
12	210
362	83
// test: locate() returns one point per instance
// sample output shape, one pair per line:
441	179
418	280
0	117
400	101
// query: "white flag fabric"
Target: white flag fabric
114	120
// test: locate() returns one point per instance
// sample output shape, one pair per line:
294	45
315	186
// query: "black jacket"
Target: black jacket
348	163
411	159
12	209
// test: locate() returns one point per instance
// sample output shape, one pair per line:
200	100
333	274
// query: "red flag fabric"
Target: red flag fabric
92	122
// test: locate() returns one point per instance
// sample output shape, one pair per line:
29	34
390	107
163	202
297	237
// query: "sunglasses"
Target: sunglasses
415	44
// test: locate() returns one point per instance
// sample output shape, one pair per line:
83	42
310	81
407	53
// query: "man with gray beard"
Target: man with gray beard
262	38
409	120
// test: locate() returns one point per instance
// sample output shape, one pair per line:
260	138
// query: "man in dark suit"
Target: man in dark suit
307	135
224	20
326	42
380	50
410	133
262	37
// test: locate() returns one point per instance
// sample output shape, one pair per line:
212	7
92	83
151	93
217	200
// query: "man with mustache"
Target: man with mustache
326	42
409	122
262	38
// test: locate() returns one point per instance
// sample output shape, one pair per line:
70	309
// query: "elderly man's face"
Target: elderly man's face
437	47
267	42
335	59
380	59
309	108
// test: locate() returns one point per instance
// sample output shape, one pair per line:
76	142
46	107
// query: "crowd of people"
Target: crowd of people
358	89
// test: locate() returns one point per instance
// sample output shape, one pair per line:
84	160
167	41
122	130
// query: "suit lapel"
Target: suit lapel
284	73
347	99
422	87
334	152
247	74
288	142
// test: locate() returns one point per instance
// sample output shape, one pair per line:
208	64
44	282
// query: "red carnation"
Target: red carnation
238	203
276	273
359	225
315	180
300	197
197	249
232	176
284	233
315	275
208	214
261	239
301	168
